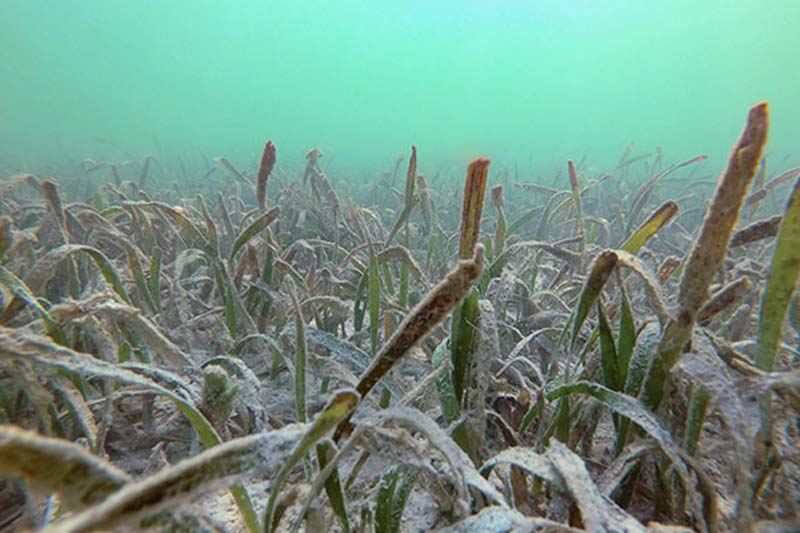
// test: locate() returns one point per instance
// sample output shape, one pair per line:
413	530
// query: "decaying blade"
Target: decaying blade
599	512
709	250
56	465
461	466
105	306
758	230
267	164
499	519
724	298
711	244
215	468
421	320
474	189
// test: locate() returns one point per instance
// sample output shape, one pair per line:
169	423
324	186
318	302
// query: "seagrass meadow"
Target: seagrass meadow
270	347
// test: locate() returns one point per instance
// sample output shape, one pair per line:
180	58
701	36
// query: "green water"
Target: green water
528	83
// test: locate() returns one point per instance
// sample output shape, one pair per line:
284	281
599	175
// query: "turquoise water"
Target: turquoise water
526	83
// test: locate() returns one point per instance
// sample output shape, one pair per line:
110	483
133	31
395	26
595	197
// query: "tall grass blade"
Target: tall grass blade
576	197
781	286
709	250
614	376
264	171
694	420
408	197
339	407
374	300
299	359
599	273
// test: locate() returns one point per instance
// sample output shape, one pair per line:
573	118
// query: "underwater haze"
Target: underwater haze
526	83
399	266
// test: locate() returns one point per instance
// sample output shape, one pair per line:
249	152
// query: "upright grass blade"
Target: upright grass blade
500	231
374	300
6	236
474	189
211	228
264	170
781	286
154	279
599	273
426	205
226	216
612	374
462	336
708	251
451	407
451	404
333	487
391	498
408	197
299	360
138	275
576	197
53	199
627	333
695	419
337	410
465	316
402	298
636	373
227	292
359	305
